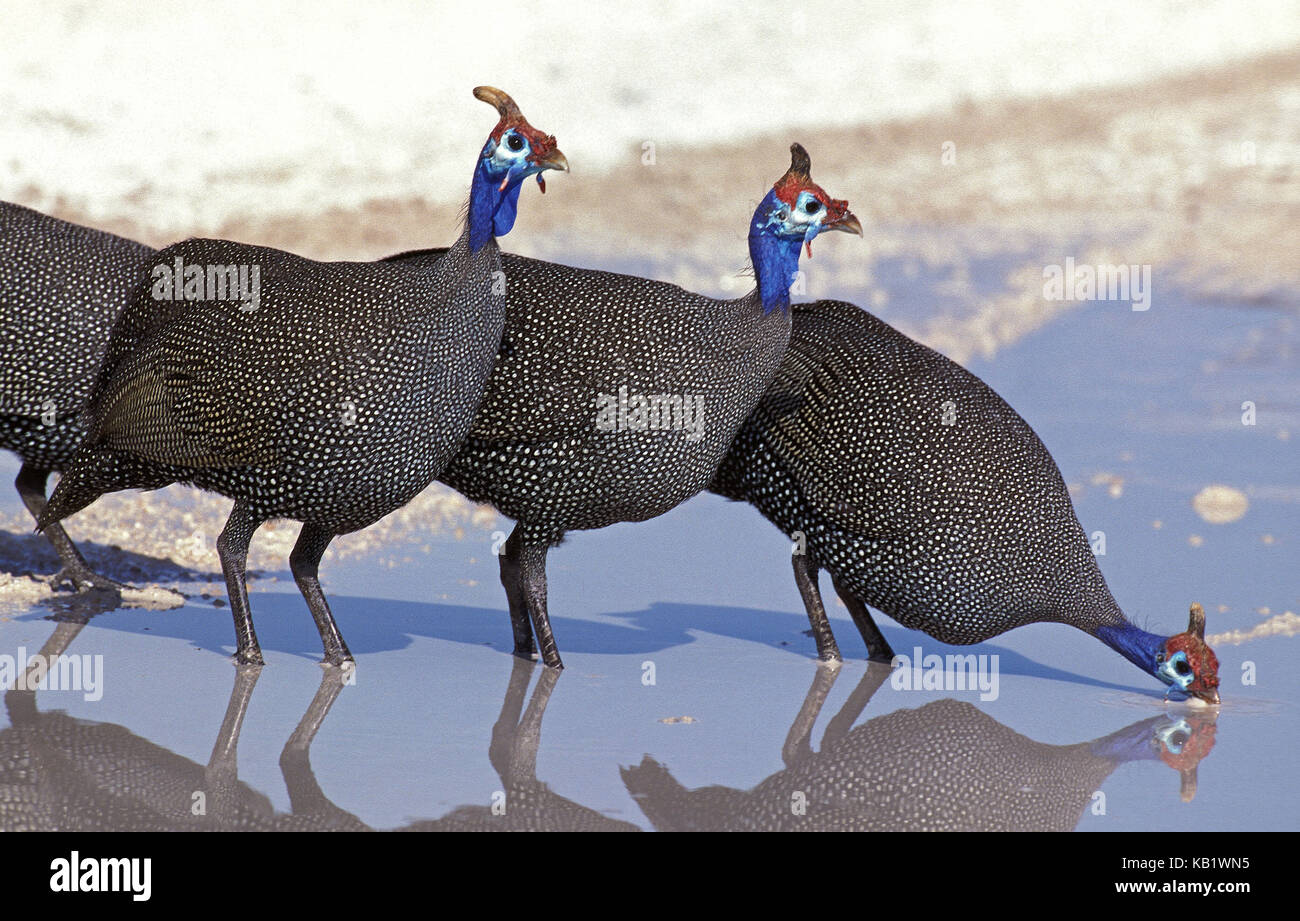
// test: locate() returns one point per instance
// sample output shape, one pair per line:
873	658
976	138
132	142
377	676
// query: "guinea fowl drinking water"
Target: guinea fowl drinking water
928	498
61	288
615	397
333	397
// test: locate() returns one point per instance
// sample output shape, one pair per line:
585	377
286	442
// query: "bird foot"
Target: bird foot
79	580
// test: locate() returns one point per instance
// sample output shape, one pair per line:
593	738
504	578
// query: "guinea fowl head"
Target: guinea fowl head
788	218
1187	664
1183	661
514	151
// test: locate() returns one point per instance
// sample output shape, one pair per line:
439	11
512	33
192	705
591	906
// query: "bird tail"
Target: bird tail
77	488
93	472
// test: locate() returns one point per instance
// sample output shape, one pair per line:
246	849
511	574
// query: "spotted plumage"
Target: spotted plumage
332	396
570	435
61	288
926	497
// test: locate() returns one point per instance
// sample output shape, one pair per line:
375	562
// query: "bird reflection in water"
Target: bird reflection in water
60	773
945	766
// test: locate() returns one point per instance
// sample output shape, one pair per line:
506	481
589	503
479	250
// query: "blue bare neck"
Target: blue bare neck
775	256
1139	647
492	210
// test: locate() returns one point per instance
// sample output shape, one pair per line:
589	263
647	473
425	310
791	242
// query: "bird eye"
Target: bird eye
812	206
515	143
1182	667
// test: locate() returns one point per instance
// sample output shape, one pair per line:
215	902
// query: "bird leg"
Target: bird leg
510	581
532	576
232	548
304	563
30	484
878	648
805	576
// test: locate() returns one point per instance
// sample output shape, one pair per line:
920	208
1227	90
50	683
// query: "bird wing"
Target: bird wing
210	384
167	407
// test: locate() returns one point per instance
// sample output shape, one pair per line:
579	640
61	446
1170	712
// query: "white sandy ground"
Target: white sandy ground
198	116
138	520
180	525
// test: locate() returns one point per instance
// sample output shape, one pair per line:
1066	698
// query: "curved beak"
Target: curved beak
552	160
1210	697
849	223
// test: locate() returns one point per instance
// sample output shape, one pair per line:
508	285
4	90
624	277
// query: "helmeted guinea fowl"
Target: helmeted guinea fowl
615	397
333	397
928	498
61	287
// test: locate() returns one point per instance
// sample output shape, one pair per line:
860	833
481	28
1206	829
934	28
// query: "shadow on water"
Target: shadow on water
382	625
66	774
946	766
